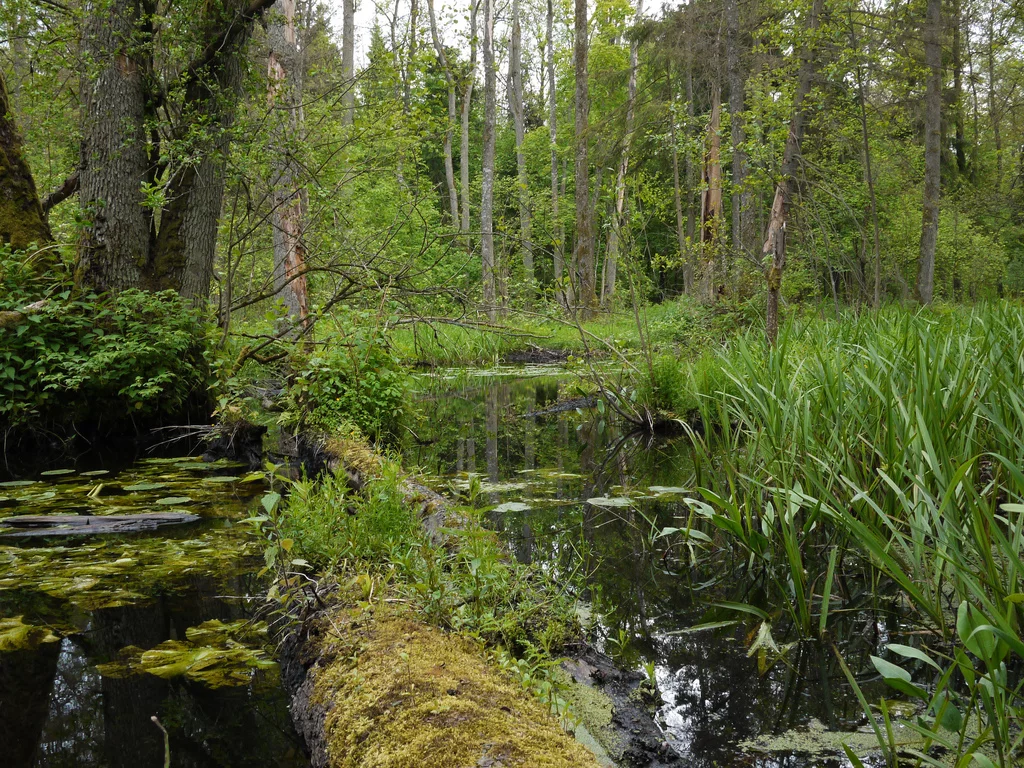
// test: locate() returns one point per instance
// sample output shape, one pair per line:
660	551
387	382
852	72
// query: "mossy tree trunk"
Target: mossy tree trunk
125	174
21	216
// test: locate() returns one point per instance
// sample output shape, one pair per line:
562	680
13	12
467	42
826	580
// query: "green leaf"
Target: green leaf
908	652
890	671
270	501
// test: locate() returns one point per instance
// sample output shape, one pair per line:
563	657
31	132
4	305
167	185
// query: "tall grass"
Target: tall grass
886	450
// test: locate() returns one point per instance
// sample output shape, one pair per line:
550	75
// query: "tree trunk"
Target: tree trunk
22	221
487	173
774	248
711	209
993	109
348	69
583	253
558	232
284	98
114	248
932	152
740	198
869	178
959	140
449	130
516	107
467	102
615	233
684	253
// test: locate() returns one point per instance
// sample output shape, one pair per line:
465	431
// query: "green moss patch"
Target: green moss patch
400	693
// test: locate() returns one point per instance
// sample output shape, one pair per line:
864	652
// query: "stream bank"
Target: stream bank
375	681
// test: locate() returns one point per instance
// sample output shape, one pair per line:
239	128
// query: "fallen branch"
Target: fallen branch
14	316
62	193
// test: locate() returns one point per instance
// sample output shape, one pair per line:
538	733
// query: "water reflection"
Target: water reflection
56	709
540	466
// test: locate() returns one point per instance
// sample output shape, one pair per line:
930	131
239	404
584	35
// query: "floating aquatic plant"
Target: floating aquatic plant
15	635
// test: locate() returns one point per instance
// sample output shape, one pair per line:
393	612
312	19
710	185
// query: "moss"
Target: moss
399	693
593	710
22	222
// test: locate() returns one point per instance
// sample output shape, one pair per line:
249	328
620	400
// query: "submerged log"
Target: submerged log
88	525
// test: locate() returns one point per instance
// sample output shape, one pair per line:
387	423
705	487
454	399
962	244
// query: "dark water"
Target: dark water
90	602
537	470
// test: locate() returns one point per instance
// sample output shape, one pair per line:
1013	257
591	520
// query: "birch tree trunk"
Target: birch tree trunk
583	253
348	69
487	181
284	98
558	232
615	234
449	130
677	194
774	248
711	209
516	107
467	103
932	152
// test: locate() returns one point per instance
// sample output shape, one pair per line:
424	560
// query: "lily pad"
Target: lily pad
145	487
667	489
56	472
221	479
168	500
95	472
215	667
17	483
15	635
512	506
610	501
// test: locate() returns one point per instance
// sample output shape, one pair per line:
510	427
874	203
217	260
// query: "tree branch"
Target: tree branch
62	193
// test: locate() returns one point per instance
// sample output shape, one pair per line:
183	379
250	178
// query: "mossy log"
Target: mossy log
386	691
12	317
87	525
374	687
22	221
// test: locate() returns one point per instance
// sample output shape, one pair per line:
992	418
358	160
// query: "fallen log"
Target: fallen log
89	525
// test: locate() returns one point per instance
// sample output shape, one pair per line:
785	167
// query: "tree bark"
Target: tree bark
348	70
449	130
619	223
284	98
711	208
487	173
22	220
740	197
467	103
558	232
114	248
959	140
932	152
684	255
583	252
515	77
774	249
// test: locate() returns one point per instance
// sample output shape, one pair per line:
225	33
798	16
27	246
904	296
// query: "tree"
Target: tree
932	152
22	221
517	109
284	75
558	233
348	70
774	250
583	272
487	171
449	128
615	235
467	103
740	199
152	217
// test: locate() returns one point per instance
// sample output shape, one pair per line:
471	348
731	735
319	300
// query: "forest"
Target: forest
659	368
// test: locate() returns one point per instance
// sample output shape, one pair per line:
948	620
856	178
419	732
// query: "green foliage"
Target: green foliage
83	357
351	380
892	442
466	584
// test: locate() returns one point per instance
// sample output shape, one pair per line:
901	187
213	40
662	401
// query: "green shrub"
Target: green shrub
351	380
87	358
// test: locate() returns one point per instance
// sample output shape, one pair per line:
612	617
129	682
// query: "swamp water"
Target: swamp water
571	491
100	633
